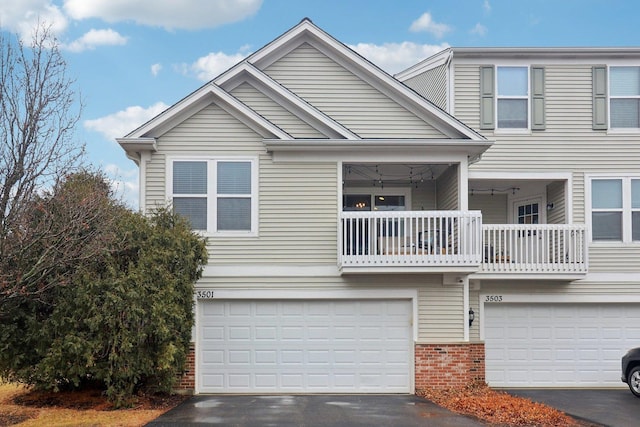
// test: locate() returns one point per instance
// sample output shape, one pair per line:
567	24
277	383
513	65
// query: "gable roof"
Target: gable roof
250	70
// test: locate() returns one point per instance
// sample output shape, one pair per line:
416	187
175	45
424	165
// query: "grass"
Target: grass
23	407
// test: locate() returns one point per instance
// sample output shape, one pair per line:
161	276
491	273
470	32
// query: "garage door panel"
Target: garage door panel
564	345
305	346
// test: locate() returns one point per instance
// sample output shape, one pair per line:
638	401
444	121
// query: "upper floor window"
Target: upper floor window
624	97
513	97
216	195
615	209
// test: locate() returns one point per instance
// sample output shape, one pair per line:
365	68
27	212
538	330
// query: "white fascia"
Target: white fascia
306	31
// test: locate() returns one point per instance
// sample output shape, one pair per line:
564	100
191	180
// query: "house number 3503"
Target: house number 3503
493	298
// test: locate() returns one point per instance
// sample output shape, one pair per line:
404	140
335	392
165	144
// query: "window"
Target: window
615	209
528	214
513	97
217	195
624	97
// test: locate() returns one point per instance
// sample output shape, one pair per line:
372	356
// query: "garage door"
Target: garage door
558	345
347	346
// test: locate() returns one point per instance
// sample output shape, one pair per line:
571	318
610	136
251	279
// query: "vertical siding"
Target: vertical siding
494	208
447	189
431	84
346	98
555	195
274	112
567	145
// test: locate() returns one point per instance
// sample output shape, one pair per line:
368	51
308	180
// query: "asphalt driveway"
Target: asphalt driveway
613	408
312	411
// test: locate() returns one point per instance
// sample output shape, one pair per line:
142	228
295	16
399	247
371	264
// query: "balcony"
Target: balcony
551	249
445	241
458	242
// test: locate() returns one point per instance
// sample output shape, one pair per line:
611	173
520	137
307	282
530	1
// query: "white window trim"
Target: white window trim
499	130
626	209
212	194
610	129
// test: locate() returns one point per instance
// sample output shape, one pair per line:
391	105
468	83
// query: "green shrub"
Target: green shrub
121	318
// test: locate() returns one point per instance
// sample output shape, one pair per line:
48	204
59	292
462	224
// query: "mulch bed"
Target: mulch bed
92	399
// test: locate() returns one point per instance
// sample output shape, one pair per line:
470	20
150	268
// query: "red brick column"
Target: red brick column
187	382
448	365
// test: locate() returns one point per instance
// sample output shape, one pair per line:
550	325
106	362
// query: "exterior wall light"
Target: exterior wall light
472	316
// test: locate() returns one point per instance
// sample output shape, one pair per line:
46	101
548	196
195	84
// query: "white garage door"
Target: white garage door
347	346
558	345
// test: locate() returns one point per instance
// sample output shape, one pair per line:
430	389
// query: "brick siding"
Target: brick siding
187	381
448	365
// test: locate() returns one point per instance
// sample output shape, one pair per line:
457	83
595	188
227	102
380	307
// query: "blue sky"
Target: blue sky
132	59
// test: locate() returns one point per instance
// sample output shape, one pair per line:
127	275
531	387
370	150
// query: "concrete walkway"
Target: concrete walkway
312	411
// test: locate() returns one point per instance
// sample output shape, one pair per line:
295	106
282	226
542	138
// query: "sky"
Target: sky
132	59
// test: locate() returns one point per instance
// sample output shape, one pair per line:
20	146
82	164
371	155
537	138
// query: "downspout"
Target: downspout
465	307
145	156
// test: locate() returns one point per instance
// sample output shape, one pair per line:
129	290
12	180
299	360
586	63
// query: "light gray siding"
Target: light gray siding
555	195
346	98
494	208
569	144
432	84
274	112
447	189
423	198
440	312
297	202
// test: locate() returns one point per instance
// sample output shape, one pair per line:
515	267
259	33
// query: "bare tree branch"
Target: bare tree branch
36	121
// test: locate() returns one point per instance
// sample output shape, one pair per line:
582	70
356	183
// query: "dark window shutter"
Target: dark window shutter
487	97
537	99
599	77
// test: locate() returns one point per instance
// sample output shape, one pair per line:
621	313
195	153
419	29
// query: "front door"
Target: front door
528	245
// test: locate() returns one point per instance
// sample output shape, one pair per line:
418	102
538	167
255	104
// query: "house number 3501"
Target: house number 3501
204	294
493	298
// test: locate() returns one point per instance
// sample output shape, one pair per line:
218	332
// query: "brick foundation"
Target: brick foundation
187	382
448	365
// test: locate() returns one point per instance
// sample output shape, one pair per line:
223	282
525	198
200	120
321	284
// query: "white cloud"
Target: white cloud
479	29
94	38
427	24
187	14
486	6
210	66
124	183
22	16
119	124
155	69
395	57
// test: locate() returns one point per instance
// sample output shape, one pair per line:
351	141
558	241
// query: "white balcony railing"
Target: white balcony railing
452	240
411	238
534	248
